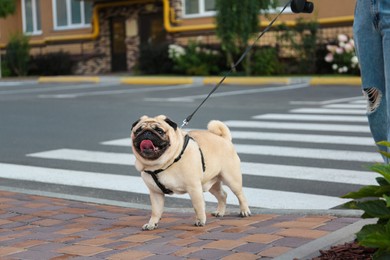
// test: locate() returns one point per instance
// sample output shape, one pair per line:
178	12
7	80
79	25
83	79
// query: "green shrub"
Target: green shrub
5	71
265	61
17	54
195	59
374	200
51	64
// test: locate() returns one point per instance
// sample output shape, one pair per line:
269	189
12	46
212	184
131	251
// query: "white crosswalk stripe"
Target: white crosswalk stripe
347	117
303	117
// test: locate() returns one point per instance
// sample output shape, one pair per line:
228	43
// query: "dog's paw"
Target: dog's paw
245	213
200	223
148	227
217	214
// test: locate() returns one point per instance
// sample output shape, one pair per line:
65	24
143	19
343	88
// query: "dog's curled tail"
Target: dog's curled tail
219	128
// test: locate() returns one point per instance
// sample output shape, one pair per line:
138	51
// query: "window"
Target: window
71	14
195	8
31	12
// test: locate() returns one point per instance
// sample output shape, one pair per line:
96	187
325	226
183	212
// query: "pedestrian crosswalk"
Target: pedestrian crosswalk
330	132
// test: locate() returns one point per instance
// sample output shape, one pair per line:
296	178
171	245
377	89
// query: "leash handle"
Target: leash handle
247	50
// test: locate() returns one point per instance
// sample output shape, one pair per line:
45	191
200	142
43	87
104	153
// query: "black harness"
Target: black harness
164	189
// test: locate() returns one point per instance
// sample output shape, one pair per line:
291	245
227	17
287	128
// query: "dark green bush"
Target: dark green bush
374	200
17	55
51	64
265	62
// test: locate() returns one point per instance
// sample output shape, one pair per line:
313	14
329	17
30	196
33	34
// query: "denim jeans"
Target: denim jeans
372	40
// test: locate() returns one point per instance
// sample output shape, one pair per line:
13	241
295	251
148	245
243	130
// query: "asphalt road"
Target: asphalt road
301	146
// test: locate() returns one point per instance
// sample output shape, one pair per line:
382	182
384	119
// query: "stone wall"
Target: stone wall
100	61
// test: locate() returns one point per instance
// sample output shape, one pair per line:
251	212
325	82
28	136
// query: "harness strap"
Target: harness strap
164	189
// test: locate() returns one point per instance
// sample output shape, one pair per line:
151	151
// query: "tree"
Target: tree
237	21
7	7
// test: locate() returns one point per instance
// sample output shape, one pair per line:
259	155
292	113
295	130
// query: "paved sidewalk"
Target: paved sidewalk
38	227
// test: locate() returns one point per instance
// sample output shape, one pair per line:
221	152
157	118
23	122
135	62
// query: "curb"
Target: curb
247	81
60	79
311	249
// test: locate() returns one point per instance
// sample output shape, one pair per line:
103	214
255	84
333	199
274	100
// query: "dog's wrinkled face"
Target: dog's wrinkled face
150	136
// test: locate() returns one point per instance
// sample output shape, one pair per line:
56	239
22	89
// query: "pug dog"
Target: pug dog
173	161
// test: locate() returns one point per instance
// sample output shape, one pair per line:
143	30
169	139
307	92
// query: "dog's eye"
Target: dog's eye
139	130
160	131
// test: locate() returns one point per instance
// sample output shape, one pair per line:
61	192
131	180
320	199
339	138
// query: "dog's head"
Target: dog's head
153	136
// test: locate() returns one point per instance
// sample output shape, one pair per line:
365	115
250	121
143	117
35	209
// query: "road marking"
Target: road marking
299	126
121	91
305	138
50	89
257	169
309	173
332	101
230	93
328	111
87	156
347	106
303	117
256	197
297	152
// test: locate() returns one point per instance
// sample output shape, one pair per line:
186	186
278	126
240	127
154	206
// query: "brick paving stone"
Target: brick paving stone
161	249
183	242
302	233
96	242
261	238
47	222
299	224
209	254
34	255
263	230
254	248
131	254
224	244
246	256
82	250
332	226
200	243
274	251
163	257
222	235
29	243
320	219
69	231
139	238
8	250
4	221
186	251
292	241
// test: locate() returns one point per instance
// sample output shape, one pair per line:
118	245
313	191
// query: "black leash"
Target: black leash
247	50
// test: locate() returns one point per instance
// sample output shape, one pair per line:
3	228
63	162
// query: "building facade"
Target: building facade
105	36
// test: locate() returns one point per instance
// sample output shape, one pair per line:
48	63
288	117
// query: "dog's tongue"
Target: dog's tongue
146	145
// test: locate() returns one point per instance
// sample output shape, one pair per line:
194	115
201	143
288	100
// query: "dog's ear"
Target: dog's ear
135	123
171	123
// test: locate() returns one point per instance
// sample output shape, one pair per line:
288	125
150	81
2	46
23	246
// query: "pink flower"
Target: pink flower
342	38
329	57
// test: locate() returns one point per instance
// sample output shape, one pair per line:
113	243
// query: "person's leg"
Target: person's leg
368	41
385	26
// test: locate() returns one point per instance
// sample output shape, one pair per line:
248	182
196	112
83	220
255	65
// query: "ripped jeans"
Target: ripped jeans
372	39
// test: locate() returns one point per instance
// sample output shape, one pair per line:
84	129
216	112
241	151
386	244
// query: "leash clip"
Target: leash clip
185	123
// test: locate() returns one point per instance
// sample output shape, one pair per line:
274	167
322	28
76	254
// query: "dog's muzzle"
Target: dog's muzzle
150	145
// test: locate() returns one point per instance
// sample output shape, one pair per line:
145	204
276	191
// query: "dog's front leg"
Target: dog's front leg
199	206
157	200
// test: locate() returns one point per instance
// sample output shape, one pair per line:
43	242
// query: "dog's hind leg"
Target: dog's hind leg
221	196
233	179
